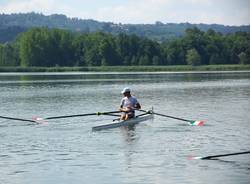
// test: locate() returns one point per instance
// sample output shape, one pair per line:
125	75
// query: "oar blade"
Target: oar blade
39	120
193	158
214	157
196	123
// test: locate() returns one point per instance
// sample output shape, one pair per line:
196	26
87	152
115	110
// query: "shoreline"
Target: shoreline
175	68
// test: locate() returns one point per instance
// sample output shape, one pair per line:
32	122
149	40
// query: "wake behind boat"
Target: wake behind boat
122	123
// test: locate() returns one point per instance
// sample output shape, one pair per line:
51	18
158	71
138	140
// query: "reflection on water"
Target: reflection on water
118	77
67	151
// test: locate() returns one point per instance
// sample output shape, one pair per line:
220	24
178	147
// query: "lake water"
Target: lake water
155	152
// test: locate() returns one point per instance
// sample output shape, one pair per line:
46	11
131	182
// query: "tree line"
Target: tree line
12	24
55	47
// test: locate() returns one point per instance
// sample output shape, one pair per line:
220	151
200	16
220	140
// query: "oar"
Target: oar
89	114
40	120
191	122
222	155
18	119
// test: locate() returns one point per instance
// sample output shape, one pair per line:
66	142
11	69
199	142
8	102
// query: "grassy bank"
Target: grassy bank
128	68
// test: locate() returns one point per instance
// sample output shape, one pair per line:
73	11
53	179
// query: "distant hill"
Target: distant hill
13	24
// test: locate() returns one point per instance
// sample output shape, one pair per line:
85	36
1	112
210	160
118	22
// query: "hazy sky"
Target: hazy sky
227	12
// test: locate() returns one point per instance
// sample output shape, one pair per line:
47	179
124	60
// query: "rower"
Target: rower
128	104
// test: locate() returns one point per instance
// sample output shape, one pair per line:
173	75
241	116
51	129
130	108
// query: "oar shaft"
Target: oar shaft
172	117
116	115
18	119
70	116
80	115
168	116
225	155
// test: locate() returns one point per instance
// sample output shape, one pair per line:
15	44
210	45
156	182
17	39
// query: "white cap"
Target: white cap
126	89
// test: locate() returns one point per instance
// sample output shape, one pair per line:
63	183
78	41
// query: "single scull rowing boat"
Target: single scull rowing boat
129	122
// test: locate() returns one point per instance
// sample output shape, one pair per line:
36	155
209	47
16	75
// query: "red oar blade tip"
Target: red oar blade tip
197	123
39	120
194	158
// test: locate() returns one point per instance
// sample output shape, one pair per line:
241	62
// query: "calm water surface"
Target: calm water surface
67	151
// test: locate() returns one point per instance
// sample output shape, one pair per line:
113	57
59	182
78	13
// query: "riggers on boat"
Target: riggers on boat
129	122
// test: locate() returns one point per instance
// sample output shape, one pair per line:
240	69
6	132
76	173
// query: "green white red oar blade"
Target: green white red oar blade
196	123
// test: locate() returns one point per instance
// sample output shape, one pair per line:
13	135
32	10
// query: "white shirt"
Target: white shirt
128	102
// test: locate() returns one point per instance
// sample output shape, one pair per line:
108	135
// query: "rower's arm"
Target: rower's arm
138	106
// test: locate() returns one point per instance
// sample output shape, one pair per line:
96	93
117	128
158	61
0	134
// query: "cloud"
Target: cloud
45	6
27	6
140	11
229	12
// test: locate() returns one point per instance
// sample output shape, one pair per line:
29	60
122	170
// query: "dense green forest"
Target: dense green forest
13	24
56	47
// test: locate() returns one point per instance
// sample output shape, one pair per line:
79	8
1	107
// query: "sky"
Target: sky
226	12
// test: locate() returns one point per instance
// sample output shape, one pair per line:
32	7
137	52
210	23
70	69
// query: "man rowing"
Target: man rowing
128	104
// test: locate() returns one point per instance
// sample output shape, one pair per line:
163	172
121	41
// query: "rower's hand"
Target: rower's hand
124	109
